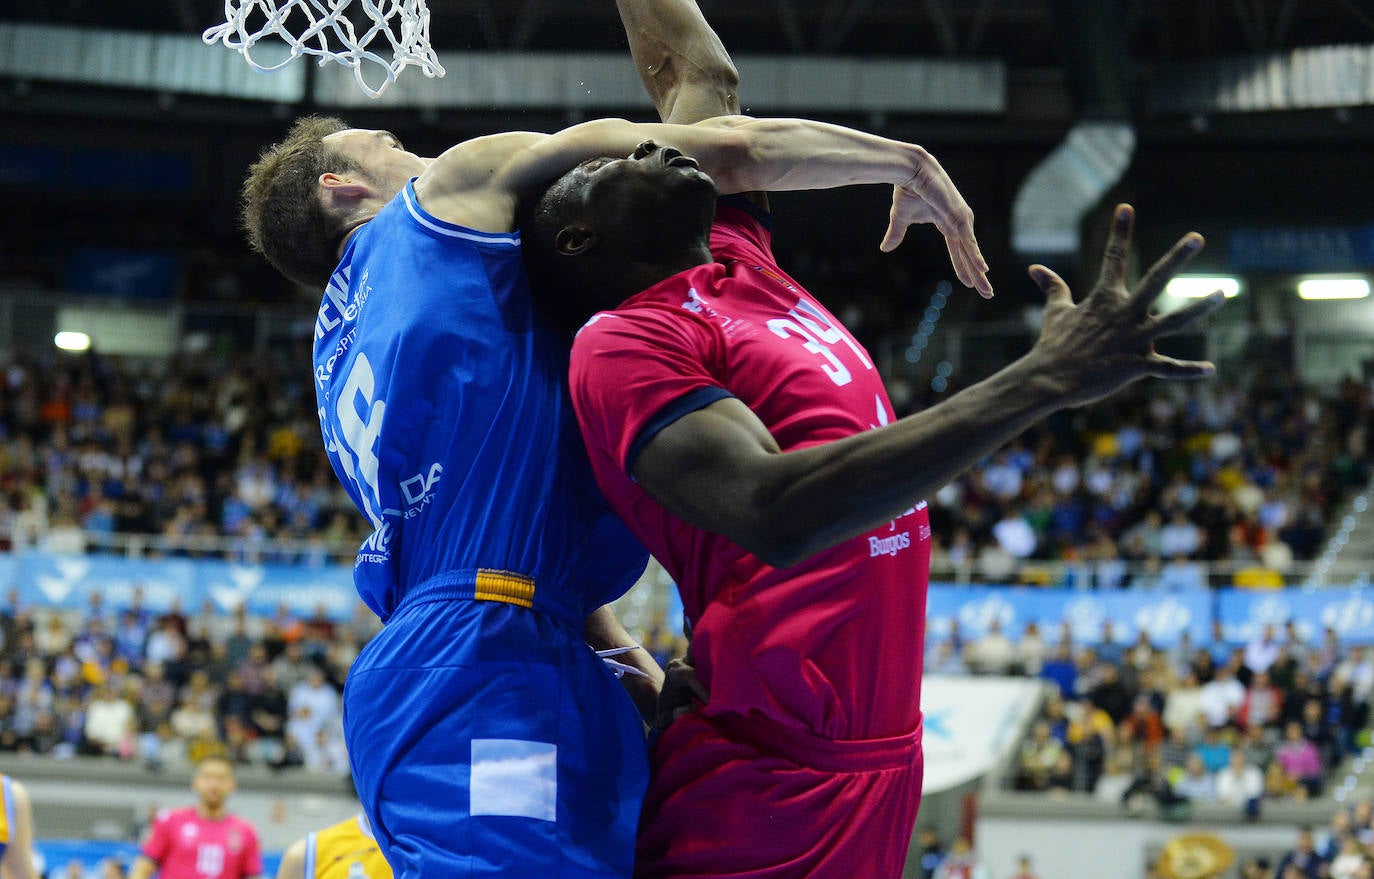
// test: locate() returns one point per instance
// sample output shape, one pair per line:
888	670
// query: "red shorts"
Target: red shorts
748	798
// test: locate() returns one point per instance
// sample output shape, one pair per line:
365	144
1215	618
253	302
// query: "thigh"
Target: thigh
720	808
521	757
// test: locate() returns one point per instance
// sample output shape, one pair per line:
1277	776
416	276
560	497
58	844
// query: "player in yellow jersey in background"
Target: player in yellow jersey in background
16	831
345	851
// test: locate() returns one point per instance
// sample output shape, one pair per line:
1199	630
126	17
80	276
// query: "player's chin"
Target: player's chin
695	179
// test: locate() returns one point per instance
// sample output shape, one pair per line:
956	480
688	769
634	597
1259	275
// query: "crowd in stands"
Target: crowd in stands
1133	492
166	689
1163	728
1167	487
189	450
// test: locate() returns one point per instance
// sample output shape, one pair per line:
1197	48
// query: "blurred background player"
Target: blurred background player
16	831
347	850
204	841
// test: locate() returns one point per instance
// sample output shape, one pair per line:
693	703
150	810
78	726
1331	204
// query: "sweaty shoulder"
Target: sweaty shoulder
466	184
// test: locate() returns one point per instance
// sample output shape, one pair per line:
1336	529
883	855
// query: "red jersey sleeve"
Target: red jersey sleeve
159	840
252	852
633	373
742	230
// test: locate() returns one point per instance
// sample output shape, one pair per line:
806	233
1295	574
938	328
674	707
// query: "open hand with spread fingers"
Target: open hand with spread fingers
931	197
1093	348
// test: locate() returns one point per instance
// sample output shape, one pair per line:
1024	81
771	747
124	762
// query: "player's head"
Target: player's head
651	209
322	180
213	781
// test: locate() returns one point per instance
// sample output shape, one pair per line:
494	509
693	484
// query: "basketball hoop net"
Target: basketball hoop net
321	28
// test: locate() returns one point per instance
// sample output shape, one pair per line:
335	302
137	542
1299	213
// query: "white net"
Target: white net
326	29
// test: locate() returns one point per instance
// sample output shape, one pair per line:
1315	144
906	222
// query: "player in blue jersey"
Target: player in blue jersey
486	737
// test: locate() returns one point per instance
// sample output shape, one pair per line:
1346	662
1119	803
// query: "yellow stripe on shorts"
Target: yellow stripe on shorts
504	586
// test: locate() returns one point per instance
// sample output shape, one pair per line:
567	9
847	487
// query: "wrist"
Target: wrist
1038	383
914	168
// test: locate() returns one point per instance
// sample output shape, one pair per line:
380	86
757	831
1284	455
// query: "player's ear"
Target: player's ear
575	240
337	187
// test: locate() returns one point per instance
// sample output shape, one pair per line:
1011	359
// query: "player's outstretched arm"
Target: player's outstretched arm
683	64
292	864
18	860
478	182
719	469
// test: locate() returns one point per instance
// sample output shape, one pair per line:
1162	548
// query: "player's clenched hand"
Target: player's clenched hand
682	692
1095	347
931	197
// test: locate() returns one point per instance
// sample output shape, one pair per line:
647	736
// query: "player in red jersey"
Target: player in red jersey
747	439
204	841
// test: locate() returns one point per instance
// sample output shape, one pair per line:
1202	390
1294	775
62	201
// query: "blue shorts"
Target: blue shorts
490	740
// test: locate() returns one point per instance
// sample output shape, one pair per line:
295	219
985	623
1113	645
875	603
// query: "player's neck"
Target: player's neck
211	814
638	275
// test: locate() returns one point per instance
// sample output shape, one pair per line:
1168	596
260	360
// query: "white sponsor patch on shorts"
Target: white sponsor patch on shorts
514	777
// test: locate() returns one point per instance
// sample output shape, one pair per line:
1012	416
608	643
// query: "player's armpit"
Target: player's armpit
717	468
465	185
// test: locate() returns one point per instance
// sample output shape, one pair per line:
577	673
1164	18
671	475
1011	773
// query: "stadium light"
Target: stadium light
1333	288
70	341
1198	286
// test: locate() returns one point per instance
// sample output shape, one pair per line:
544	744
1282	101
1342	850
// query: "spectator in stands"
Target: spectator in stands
1303	858
1143	724
1183	705
108	719
1300	760
993	653
1060	670
1349	859
1240	784
1031	651
1196	784
1115	780
1215	749
960	862
1262	704
1151	784
1039	756
1111	695
929	851
1222	697
1263	650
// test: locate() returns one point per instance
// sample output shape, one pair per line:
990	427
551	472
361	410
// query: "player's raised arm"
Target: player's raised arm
719	469
683	64
485	176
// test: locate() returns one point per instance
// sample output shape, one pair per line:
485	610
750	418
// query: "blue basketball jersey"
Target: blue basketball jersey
443	403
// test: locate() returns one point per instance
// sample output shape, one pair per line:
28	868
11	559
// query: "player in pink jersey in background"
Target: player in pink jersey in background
204	841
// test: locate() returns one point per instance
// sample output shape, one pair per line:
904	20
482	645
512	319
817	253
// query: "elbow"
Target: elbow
774	534
771	547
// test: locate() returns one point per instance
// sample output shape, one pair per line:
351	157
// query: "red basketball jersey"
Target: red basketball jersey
833	644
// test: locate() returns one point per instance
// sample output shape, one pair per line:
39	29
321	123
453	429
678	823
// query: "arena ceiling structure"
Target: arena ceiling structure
1216	114
1023	32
